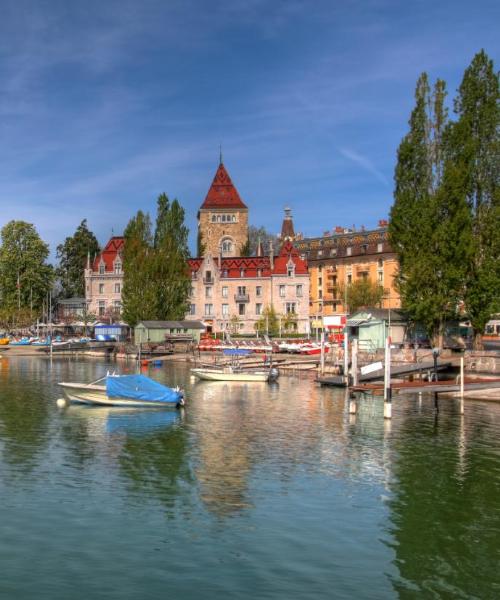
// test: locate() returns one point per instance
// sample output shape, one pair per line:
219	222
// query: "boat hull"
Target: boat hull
96	395
213	375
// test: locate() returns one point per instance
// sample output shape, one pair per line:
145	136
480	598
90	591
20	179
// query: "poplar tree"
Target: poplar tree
425	224
138	279
474	155
72	255
171	253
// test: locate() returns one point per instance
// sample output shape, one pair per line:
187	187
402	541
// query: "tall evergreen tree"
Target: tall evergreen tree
138	296
474	156
424	243
72	255
25	276
171	256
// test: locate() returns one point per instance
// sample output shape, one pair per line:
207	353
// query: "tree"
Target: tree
260	234
138	298
246	249
171	253
474	158
362	293
156	280
200	246
289	322
425	222
72	256
268	322
25	276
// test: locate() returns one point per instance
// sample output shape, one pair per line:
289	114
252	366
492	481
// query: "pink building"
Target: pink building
104	280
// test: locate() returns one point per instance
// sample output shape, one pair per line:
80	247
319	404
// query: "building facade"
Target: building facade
104	280
342	257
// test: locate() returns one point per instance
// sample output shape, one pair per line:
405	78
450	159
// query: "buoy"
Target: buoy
61	402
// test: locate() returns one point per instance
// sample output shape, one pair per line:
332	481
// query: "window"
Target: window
234	219
320	253
192	309
225	291
118	267
258	290
227	246
320	294
208	291
380	277
380	263
290	271
101	288
241	309
258	309
191	291
117	288
290	307
101	269
320	281
209	310
117	305
333	252
242	290
298	290
225	273
208	276
214	218
223	218
380	247
282	291
348	251
349	279
102	307
364	248
225	310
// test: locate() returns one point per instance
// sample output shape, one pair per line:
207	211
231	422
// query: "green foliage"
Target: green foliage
12	318
25	276
268	322
289	322
474	152
200	246
246	249
72	256
156	280
362	293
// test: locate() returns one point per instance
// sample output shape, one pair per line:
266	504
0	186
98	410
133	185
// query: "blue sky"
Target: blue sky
104	105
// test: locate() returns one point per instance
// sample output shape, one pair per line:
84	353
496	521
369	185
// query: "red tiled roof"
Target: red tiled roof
108	255
252	264
222	193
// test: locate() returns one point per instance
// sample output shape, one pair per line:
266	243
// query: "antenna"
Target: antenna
220	154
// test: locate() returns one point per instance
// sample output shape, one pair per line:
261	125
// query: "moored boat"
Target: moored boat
231	373
125	391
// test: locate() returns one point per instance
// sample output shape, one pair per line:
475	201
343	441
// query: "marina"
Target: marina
275	485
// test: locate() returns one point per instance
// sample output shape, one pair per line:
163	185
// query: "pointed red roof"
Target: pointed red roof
222	193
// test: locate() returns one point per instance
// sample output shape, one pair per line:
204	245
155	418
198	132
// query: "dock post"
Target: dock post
354	361
352	404
322	357
461	385
387	381
346	357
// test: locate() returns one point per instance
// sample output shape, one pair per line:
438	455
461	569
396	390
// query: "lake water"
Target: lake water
254	491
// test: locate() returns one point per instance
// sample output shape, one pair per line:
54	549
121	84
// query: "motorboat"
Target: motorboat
235	373
125	391
22	342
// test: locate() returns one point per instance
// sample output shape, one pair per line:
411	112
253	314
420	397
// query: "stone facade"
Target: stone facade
104	280
223	217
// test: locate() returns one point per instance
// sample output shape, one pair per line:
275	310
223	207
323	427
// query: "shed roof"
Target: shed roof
171	324
376	314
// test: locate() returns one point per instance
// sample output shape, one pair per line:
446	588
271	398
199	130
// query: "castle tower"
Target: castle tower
223	217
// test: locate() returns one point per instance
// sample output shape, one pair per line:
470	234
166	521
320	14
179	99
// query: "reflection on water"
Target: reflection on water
252	490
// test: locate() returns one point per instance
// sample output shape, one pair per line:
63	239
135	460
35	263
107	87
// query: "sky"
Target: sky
105	105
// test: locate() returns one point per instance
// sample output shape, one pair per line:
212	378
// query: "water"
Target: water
255	491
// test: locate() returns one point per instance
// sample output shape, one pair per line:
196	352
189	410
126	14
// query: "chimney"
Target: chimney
339	229
260	252
383	223
271	255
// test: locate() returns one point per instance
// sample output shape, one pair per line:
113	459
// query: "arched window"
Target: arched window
227	246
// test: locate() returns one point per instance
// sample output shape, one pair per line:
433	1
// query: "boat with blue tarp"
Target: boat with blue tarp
124	390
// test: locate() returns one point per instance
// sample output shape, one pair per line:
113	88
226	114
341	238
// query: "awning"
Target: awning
356	322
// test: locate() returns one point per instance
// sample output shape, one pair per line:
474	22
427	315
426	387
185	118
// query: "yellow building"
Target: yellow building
341	258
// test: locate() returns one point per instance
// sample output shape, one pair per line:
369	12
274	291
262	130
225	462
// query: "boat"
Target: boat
4	341
125	391
232	373
22	342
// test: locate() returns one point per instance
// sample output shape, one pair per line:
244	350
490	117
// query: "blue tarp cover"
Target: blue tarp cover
236	351
140	387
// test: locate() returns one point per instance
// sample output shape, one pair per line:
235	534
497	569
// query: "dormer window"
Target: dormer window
102	269
290	269
242	272
118	267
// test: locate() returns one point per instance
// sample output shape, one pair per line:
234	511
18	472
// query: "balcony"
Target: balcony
242	298
208	280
